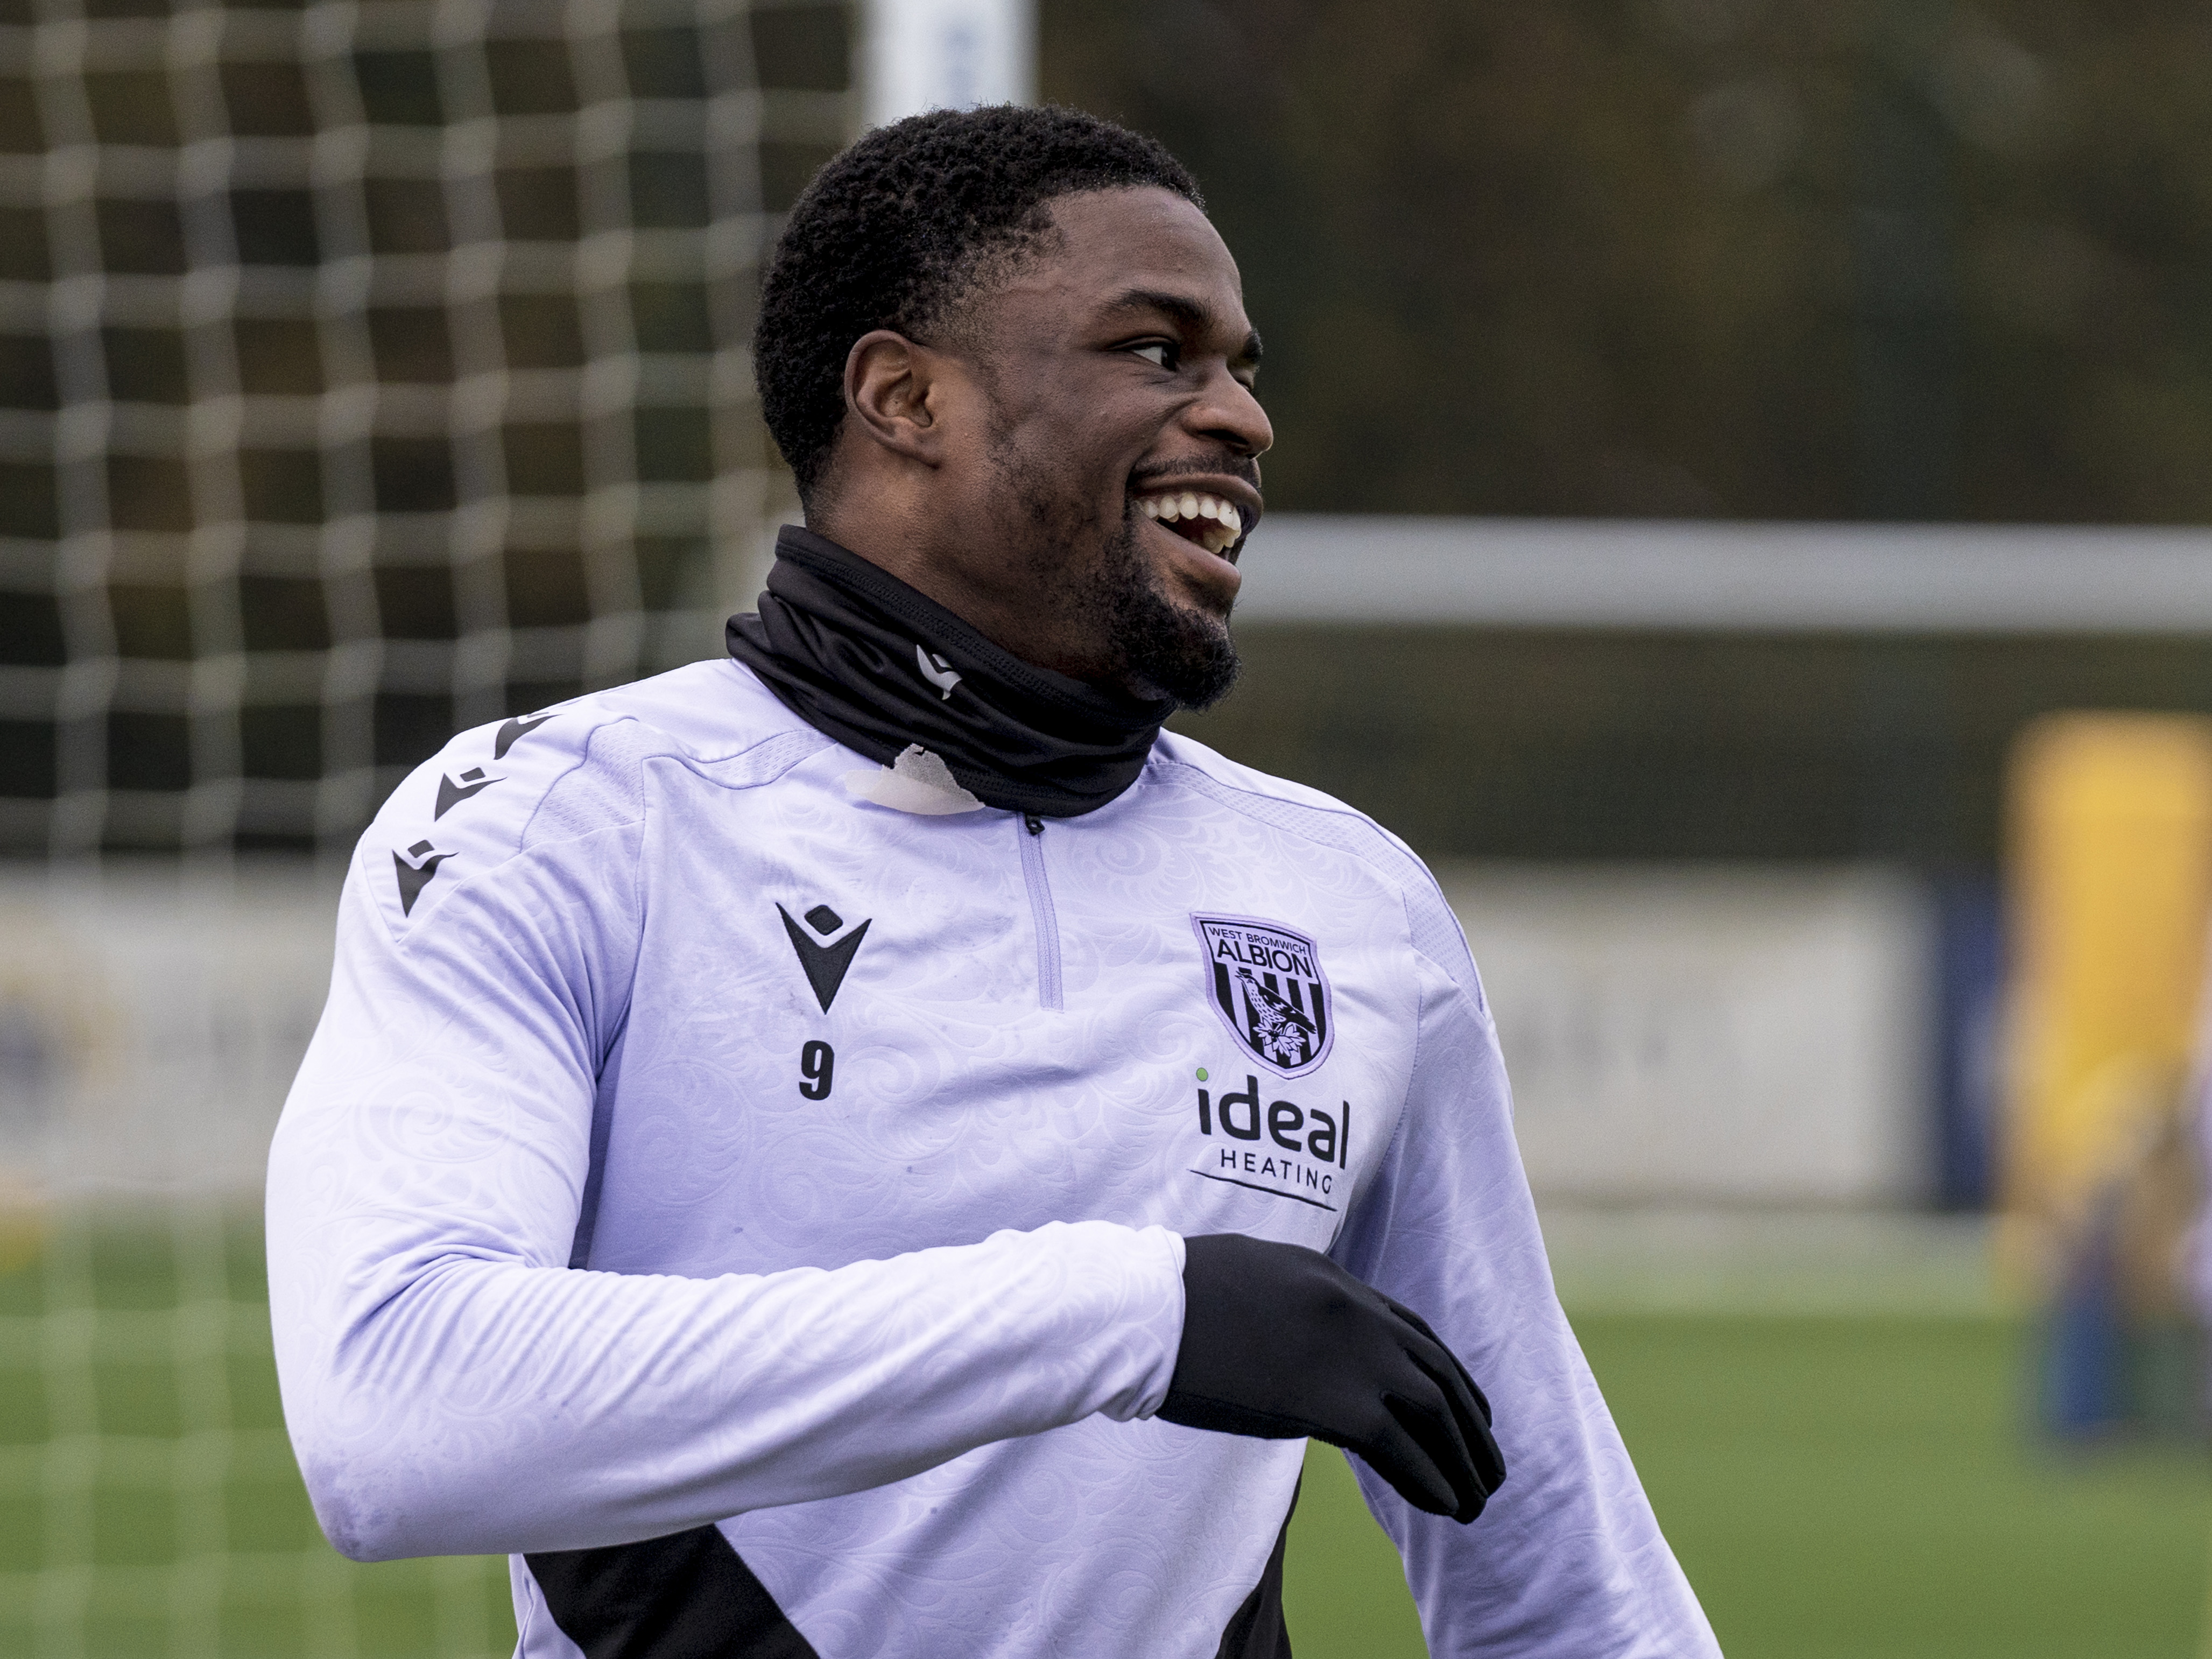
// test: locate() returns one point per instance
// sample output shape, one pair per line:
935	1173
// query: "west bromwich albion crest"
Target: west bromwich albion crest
1267	984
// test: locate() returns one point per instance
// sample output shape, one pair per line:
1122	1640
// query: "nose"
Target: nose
1229	413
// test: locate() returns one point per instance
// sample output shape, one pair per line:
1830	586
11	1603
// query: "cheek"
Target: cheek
1054	494
1103	430
1079	466
1077	449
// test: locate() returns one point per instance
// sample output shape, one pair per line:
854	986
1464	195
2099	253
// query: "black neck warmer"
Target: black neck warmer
855	652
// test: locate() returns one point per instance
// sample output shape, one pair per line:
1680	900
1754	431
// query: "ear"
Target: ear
892	393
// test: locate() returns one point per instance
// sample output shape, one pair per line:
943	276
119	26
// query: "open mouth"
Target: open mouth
1214	524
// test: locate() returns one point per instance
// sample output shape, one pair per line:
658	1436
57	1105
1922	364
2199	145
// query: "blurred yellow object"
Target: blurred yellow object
2111	888
23	1219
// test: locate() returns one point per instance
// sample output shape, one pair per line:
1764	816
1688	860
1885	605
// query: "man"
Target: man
831	1152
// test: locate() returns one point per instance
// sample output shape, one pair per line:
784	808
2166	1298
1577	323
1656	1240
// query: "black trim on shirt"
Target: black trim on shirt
685	1596
690	1596
1256	1630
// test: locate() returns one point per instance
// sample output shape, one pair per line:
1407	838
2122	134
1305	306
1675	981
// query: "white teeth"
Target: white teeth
1224	525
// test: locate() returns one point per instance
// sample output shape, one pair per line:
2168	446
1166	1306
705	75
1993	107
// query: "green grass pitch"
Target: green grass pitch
1841	1488
1838	1488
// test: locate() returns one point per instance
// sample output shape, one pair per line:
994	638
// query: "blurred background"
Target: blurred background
1739	511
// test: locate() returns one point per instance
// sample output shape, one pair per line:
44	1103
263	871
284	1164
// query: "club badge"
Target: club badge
1267	984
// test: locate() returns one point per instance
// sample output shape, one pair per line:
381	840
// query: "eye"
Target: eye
1161	354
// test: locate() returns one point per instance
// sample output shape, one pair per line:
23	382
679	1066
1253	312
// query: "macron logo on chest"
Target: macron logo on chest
824	964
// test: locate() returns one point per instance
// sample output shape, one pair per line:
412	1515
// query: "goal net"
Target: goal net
368	370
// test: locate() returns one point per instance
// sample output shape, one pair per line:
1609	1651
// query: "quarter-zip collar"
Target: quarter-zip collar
858	654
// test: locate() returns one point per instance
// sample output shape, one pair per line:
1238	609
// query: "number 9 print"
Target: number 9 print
817	1065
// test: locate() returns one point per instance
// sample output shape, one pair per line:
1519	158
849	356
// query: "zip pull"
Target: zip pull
1035	823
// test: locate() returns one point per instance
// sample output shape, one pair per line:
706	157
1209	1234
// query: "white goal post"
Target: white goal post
1727	577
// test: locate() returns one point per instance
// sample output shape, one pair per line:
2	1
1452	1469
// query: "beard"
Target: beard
1144	641
1157	646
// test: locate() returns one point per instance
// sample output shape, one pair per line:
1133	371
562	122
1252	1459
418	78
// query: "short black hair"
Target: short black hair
896	233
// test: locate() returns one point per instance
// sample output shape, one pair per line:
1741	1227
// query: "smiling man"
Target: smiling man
872	1147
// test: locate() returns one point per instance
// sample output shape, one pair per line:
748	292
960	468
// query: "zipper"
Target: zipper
1041	911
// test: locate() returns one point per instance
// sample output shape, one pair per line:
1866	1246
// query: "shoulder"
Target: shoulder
1183	763
1310	815
564	772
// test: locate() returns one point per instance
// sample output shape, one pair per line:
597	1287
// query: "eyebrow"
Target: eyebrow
1185	310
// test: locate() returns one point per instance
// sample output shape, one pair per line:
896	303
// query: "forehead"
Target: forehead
1113	242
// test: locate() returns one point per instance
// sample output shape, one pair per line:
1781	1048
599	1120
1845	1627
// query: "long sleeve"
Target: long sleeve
453	1385
1568	1558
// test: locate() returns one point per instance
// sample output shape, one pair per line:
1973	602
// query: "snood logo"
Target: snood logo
938	672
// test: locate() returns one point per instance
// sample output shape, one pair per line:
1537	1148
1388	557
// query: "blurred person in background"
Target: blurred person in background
871	1144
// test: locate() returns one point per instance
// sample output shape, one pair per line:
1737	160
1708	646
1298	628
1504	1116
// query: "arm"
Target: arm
452	1386
1568	1558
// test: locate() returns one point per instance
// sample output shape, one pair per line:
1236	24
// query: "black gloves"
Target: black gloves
1279	1341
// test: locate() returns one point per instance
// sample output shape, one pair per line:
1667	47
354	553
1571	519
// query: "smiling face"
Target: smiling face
1073	467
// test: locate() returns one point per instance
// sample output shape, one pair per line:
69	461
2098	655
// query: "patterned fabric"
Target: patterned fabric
882	1269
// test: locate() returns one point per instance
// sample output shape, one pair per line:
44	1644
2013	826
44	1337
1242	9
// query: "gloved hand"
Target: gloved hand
1279	1341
